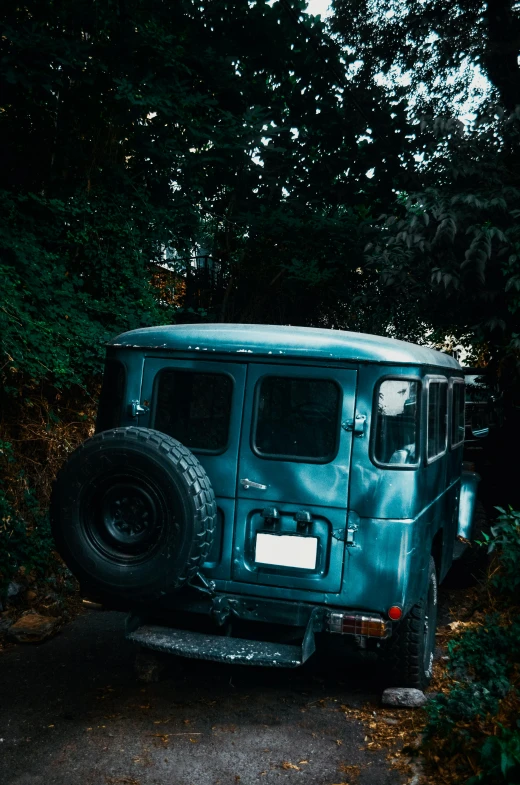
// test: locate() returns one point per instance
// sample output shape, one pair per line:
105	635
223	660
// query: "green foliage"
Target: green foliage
505	537
139	133
56	314
434	44
478	714
482	662
242	134
501	757
453	245
23	545
447	250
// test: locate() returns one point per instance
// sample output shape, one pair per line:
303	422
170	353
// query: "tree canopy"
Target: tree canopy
232	161
448	247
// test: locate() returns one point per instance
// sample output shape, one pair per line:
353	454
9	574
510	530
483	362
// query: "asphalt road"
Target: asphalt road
72	711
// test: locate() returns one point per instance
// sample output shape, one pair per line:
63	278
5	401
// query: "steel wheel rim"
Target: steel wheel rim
125	516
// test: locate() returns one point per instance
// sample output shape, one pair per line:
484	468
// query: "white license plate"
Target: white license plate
286	550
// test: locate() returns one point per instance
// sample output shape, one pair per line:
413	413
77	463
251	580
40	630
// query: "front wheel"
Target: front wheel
409	652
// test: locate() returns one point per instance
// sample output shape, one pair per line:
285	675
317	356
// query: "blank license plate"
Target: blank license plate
286	550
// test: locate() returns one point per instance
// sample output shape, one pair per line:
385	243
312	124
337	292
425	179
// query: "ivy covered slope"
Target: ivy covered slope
473	735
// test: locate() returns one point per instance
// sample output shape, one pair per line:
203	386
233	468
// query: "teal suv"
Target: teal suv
250	486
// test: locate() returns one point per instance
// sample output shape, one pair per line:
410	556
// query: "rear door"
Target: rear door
200	404
293	477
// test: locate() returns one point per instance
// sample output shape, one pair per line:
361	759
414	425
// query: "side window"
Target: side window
297	419
194	408
437	418
457	413
111	398
396	423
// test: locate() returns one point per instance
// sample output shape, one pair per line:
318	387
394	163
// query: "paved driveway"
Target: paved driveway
72	712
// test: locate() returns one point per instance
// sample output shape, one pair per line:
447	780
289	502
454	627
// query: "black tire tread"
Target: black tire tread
403	657
196	480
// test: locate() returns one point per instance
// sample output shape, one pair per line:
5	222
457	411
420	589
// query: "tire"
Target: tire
133	515
409	652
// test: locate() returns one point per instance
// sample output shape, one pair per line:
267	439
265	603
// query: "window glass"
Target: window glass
437	418
457	421
297	418
479	394
397	422
194	408
111	398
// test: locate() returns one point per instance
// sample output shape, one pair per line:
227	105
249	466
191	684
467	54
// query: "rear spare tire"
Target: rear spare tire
133	515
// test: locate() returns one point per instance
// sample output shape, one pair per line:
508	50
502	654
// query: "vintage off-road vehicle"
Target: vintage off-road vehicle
249	487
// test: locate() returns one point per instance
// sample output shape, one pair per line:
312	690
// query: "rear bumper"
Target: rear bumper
164	634
221	606
221	609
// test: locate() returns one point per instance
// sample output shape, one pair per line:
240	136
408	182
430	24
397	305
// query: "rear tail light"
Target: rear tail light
369	625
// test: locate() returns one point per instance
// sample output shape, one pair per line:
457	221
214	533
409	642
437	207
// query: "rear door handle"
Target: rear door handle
245	483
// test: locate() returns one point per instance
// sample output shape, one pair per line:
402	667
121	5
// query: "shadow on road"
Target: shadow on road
72	712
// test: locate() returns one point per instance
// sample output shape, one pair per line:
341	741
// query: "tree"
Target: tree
448	248
131	129
435	42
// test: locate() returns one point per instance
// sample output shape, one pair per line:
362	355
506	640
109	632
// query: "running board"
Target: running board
220	648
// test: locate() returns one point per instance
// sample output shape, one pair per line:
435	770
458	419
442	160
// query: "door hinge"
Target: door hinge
135	409
357	425
351	532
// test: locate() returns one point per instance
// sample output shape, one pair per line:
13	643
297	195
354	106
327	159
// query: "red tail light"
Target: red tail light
368	625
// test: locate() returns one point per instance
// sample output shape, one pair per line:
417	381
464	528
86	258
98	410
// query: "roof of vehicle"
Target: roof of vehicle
277	340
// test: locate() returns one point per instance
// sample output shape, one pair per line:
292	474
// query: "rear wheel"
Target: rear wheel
409	652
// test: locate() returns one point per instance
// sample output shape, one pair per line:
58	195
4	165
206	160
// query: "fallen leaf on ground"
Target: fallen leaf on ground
122	781
350	769
287	765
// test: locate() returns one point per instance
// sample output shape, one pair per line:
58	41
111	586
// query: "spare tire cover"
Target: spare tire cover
133	515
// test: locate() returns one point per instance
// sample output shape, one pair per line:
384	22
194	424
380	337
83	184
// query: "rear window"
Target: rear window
457	413
396	423
297	419
437	418
194	408
111	398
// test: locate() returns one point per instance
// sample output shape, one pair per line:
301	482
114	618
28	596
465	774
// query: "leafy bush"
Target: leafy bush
39	430
22	544
476	721
505	536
